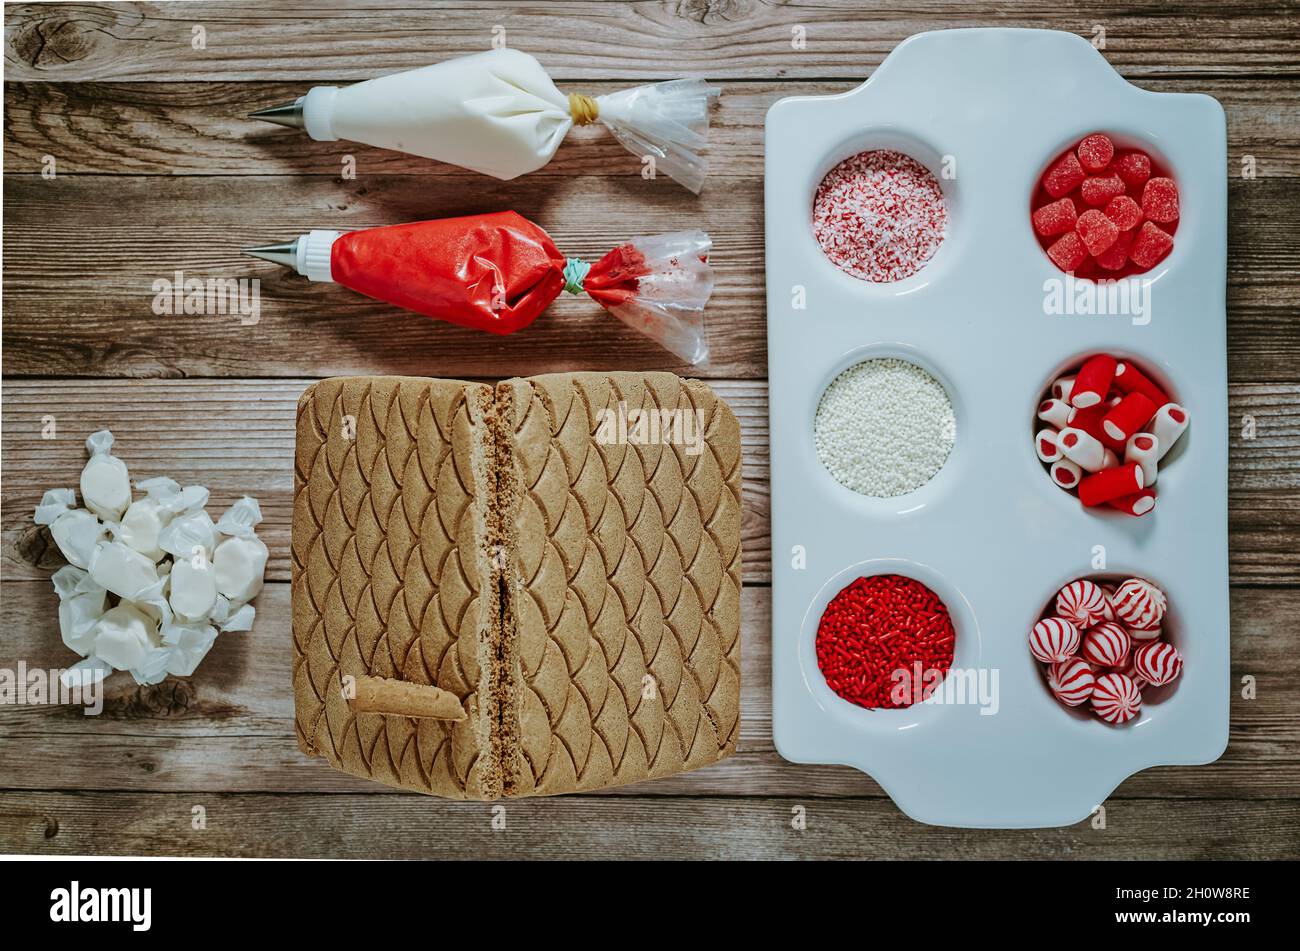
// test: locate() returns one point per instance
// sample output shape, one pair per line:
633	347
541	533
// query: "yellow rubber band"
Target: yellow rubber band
583	109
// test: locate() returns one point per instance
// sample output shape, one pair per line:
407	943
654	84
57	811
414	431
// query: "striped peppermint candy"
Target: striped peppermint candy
1129	671
1116	698
1083	603
1053	639
1159	663
1107	645
1143	636
1140	604
1072	681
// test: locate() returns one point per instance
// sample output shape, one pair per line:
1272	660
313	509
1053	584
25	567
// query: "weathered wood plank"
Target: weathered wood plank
230	727
236	437
647	40
63	318
142	128
99	321
573	827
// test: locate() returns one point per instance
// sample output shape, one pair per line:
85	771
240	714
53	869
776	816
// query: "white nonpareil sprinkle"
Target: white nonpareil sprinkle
884	427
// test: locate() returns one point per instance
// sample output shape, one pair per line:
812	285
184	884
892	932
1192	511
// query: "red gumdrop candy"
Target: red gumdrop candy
1095	152
1117	256
1056	217
1068	251
1160	200
1088	270
1125	212
1150	245
1134	168
1064	176
1098	190
1096	231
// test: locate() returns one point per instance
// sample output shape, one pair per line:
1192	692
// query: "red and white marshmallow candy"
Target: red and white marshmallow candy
1092	382
1167	425
1144	449
1083	449
1065	473
1047	446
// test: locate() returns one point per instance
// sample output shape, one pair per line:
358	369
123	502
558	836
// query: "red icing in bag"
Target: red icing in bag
492	272
497	272
615	278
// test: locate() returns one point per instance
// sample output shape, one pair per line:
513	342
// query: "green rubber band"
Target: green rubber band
575	272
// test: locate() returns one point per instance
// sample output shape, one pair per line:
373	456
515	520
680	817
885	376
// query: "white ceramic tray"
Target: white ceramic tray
990	533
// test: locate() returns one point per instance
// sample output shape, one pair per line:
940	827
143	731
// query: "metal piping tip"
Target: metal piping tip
285	253
288	114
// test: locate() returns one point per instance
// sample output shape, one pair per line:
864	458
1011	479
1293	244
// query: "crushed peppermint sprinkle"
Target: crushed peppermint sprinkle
880	216
884	427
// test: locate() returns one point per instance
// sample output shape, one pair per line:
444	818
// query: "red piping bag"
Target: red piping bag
498	272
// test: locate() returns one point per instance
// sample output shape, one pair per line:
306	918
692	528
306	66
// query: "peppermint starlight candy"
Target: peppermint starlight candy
1116	698
1140	604
1107	644
1129	671
1144	635
1072	681
1159	663
1053	639
1083	603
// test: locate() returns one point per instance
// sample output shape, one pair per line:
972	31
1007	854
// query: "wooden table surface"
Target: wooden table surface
157	171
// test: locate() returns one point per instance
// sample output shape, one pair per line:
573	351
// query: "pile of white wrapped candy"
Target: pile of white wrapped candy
149	581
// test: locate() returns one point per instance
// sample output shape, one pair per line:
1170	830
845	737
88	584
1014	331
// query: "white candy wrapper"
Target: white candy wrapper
185	646
124	571
189	533
83	673
105	483
76	531
124	636
82	603
232	617
499	113
146	518
146	600
666	121
673	281
193	587
240	560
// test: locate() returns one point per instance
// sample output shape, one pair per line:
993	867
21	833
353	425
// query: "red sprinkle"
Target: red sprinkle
885	642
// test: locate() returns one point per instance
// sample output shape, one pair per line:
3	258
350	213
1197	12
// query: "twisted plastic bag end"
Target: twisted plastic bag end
665	122
658	286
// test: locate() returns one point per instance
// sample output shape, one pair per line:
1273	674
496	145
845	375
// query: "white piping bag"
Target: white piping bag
499	113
